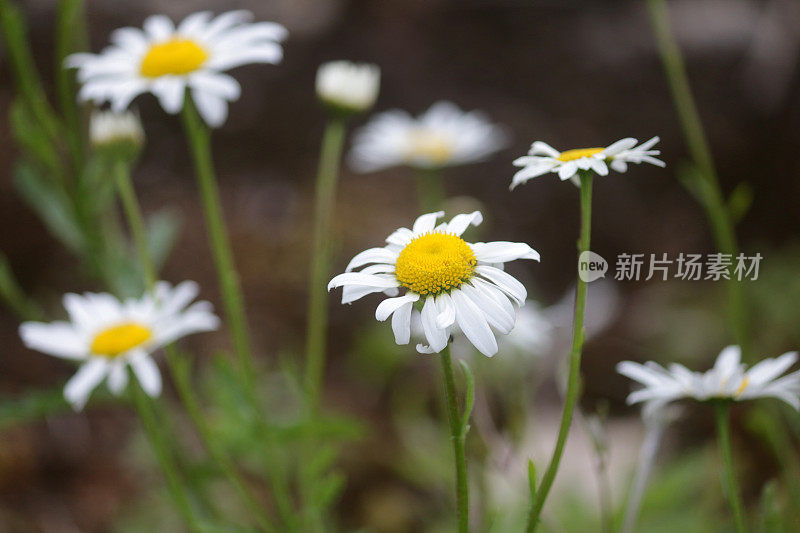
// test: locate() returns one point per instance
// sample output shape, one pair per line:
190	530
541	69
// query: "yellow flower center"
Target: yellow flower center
572	155
430	146
434	263
176	56
119	339
742	386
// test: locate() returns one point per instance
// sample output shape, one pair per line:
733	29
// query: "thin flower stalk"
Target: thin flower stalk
458	436
199	139
325	198
573	382
712	198
729	484
430	190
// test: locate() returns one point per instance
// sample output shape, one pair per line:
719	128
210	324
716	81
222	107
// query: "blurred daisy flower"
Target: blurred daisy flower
728	379
543	158
166	60
348	87
106	335
460	285
116	134
442	136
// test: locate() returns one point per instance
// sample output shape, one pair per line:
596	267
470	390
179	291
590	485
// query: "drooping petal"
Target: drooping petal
80	386
387	307
474	325
146	372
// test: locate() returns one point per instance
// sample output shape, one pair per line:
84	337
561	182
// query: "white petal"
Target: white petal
770	369
503	251
170	91
620	146
372	255
367	280
401	324
159	27
81	385
211	107
460	223
118	377
473	323
437	337
217	84
505	282
146	372
425	223
387	307
496	314
567	170
446	310
542	148
56	338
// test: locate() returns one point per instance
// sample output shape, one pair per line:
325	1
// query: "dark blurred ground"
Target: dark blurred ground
570	73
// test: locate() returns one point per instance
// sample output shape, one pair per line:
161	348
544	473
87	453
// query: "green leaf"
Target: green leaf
51	204
469	400
31	406
31	138
532	478
163	229
13	295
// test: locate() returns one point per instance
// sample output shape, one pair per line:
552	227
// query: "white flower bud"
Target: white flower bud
348	87
116	131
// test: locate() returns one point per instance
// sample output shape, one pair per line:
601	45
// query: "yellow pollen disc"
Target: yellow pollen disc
119	339
743	386
177	56
425	144
434	263
572	155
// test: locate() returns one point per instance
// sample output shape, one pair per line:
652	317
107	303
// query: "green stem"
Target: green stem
729	485
70	37
133	214
430	190
144	405
179	367
458	436
199	139
325	198
573	384
713	200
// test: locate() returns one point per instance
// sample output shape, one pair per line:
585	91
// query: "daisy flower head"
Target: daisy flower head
347	87
166	60
107	335
459	285
440	137
729	379
543	158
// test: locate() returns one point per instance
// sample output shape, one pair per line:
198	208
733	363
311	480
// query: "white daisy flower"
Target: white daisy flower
460	285
728	379
348	86
107	335
543	158
442	136
166	60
